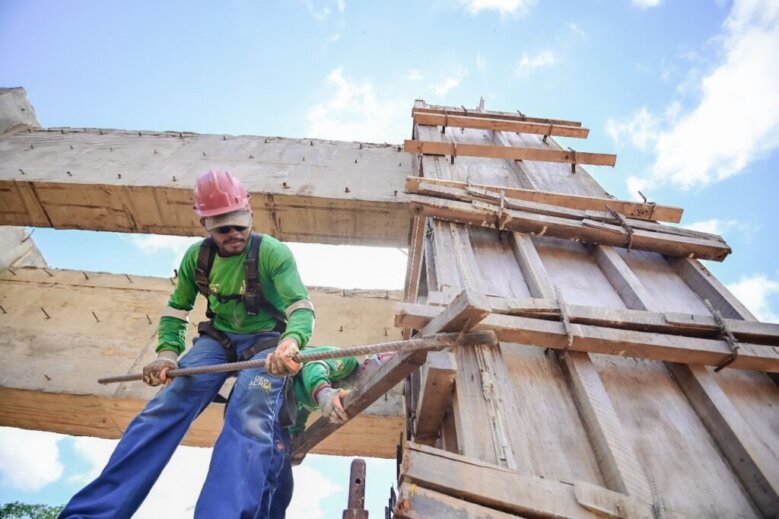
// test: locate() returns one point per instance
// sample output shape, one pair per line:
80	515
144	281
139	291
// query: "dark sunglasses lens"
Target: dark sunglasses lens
226	228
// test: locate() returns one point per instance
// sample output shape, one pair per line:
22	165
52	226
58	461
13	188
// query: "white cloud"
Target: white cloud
756	293
578	31
529	63
322	9
504	7
712	226
355	112
481	62
316	486
414	75
642	129
737	118
646	4
450	81
174	246
29	460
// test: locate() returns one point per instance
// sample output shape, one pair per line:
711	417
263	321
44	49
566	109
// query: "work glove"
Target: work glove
155	373
282	362
331	403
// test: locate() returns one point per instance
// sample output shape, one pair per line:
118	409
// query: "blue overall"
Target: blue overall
249	458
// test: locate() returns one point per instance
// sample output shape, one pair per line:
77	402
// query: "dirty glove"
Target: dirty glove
155	373
281	362
330	401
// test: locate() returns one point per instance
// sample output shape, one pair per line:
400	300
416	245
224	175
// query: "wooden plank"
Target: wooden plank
415	502
415	255
464	309
502	152
755	464
435	395
760	334
588	231
532	267
505	490
705	284
616	459
364	393
634	210
618	462
629	343
499	125
594	339
504	116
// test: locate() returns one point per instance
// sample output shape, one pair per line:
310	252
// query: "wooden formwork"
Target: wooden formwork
603	397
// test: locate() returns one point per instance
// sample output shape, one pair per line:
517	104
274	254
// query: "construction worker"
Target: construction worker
258	308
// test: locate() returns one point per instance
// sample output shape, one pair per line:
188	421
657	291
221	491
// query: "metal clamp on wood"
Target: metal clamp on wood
454	151
500	216
625	225
566	320
548	133
573	159
725	334
446	122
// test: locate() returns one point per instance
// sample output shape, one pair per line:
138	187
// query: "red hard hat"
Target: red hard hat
218	192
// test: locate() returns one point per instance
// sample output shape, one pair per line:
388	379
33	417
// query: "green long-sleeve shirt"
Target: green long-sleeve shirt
281	286
311	376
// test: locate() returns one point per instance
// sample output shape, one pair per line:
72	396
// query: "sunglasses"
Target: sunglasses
225	229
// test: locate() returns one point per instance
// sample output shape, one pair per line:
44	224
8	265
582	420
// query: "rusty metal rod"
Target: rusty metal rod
432	342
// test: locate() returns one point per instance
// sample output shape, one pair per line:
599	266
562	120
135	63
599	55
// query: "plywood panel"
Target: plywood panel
572	268
667	291
679	456
552	435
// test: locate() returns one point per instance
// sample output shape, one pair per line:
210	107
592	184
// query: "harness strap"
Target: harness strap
207	328
253	298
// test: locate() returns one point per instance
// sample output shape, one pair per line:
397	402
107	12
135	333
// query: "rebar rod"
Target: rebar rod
431	342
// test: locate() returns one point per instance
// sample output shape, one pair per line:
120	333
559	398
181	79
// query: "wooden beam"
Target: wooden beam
499	125
594	339
504	116
597	339
707	286
756	465
616	458
303	190
614	454
378	382
505	490
671	323
589	231
415	502
508	153
435	395
635	210
63	354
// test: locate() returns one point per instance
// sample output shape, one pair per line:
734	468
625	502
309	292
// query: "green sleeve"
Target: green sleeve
280	264
172	331
317	373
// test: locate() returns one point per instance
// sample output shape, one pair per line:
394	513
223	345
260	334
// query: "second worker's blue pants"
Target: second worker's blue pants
246	458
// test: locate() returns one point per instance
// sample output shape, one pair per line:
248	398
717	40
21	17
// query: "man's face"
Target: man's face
230	239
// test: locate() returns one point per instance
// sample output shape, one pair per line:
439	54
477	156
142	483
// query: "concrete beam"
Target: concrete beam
60	330
304	190
18	250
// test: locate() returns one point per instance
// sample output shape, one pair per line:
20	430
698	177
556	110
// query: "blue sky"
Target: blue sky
684	92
